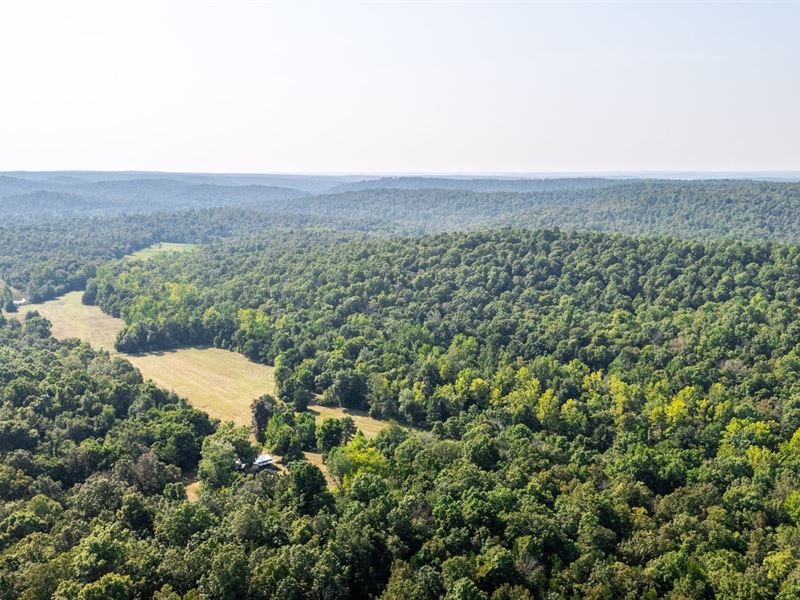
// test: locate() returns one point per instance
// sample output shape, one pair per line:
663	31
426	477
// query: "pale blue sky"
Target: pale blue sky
399	87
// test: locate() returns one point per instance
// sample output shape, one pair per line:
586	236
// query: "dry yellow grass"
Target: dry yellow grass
220	382
366	424
71	319
193	491
192	485
315	458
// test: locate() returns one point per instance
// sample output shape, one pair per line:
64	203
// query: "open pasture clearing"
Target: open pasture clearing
220	382
160	248
72	319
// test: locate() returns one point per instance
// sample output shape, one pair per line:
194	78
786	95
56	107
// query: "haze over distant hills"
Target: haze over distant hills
306	183
78	194
757	208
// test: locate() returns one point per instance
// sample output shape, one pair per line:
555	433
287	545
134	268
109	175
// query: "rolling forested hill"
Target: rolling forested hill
43	180
483	184
131	197
44	255
604	416
52	256
594	384
708	209
385	316
703	210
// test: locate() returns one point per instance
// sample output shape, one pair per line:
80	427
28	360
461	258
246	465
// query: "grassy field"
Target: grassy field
71	319
220	382
371	427
160	248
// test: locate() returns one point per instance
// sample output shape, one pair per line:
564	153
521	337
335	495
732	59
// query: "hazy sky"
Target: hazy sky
399	87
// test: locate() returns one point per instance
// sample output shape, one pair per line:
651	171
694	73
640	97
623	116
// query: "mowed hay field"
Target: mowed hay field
72	319
220	382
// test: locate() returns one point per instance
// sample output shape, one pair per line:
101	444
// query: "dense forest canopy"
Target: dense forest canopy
595	386
703	210
398	324
53	256
557	481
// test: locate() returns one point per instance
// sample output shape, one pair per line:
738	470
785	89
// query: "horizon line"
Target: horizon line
648	173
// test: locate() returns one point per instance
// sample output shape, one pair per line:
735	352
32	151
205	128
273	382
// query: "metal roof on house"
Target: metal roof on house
263	459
